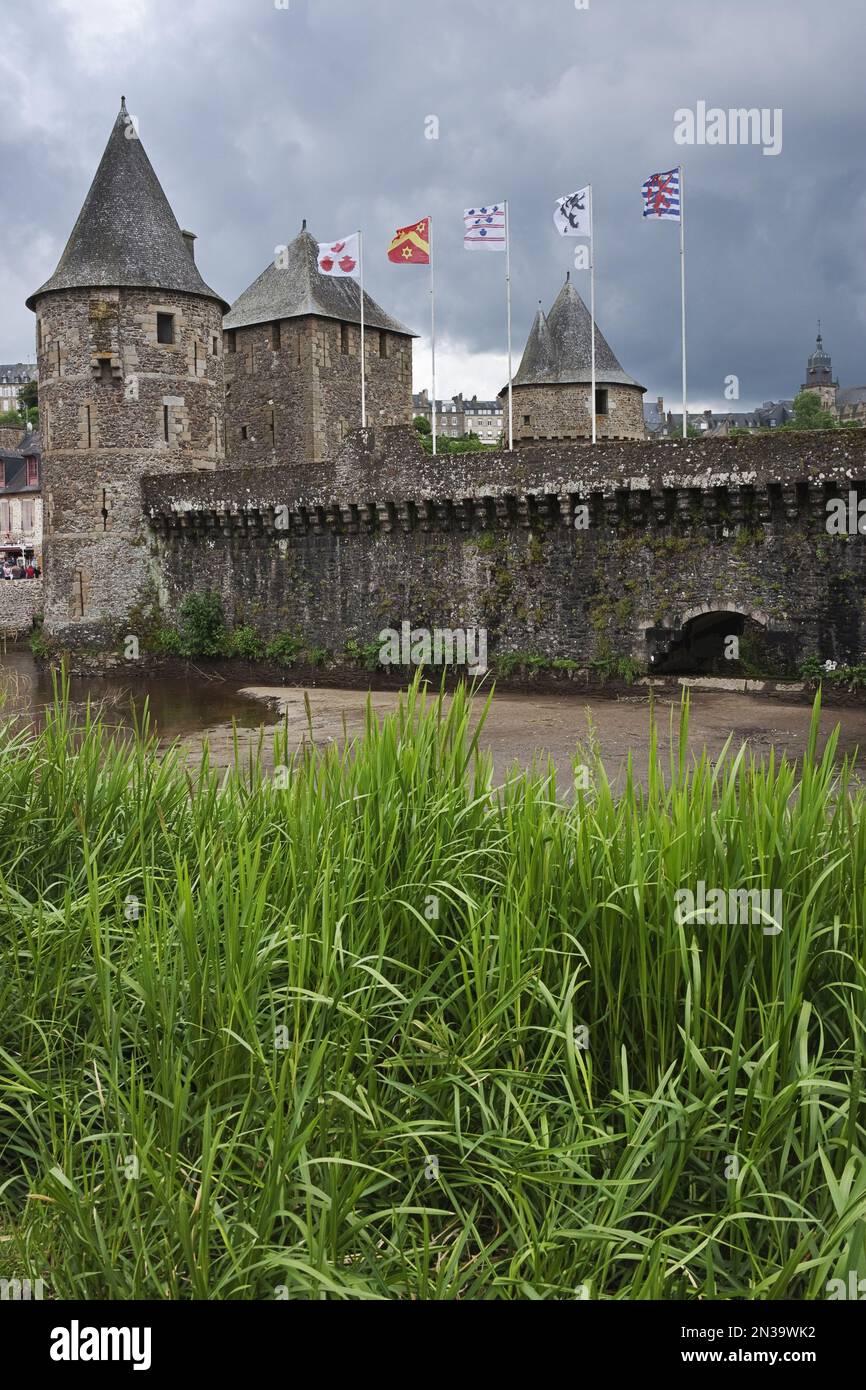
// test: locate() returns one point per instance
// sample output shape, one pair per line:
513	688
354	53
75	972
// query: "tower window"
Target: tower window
165	422
344	339
526	419
39	334
105	369
245	434
165	328
231	341
89	434
383	344
601	402
275	335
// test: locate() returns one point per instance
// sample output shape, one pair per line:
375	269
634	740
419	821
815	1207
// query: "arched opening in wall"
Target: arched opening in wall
717	643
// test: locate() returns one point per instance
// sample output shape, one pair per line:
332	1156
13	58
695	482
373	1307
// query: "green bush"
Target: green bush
284	649
366	653
245	644
202	625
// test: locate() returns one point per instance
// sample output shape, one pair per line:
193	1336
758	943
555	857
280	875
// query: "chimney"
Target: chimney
189	240
660	402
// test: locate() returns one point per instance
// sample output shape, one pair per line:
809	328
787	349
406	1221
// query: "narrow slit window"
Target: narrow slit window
245	434
344	339
215	347
275	335
383	344
89	434
231	341
165	422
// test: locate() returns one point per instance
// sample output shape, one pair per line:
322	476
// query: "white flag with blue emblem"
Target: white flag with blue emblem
484	228
571	217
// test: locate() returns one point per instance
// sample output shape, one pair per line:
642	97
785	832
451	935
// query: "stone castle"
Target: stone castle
190	445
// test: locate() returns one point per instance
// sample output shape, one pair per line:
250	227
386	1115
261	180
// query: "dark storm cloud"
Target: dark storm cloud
256	117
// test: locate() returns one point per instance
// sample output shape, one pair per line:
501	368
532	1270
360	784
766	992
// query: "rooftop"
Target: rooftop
558	350
296	288
126	233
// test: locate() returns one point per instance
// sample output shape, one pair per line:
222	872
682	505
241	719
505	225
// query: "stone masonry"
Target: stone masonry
563	552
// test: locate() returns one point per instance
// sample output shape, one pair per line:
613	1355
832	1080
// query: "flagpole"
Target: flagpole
683	297
592	312
363	352
508	307
432	327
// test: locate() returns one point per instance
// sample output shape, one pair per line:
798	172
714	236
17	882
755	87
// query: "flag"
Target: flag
571	217
661	196
339	258
484	228
411	245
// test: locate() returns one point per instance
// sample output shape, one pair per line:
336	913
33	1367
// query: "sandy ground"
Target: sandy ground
522	729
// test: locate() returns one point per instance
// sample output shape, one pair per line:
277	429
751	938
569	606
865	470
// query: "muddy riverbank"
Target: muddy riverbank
521	729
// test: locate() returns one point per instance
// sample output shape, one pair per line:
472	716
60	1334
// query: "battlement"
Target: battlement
385	481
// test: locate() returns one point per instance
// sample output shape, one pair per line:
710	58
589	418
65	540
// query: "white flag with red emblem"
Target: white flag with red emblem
340	257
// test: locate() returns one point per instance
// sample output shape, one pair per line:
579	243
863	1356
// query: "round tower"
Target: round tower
552	386
129	353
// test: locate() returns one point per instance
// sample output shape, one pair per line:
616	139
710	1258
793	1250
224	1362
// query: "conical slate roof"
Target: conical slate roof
559	349
126	233
297	288
538	359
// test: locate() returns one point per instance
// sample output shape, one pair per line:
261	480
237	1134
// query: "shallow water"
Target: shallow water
521	728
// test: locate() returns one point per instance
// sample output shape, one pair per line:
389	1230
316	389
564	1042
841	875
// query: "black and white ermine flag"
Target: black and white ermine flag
571	217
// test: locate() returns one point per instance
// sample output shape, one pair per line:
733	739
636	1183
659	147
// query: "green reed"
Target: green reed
319	1033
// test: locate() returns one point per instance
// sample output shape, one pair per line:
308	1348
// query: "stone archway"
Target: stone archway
707	641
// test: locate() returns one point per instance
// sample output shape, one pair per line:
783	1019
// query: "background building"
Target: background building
13	376
459	417
21	496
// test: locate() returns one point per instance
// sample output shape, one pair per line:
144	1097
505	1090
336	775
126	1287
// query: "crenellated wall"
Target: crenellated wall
572	552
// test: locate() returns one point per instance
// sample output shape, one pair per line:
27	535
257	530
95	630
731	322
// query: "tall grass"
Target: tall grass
323	1039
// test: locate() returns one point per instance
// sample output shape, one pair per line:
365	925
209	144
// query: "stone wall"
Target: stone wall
562	413
20	601
564	552
116	404
293	388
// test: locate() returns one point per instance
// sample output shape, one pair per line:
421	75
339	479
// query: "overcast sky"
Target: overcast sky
255	117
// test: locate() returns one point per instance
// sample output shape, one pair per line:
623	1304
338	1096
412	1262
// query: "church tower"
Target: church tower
293	363
553	382
129	353
819	374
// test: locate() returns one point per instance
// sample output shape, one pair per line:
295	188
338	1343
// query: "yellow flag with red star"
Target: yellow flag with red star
411	245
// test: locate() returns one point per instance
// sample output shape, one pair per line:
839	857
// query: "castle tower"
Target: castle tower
552	385
129	353
819	374
292	361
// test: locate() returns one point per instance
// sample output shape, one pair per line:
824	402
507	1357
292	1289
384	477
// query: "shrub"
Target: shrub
245	644
284	649
366	654
202	625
